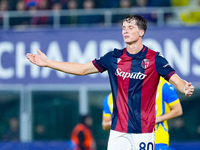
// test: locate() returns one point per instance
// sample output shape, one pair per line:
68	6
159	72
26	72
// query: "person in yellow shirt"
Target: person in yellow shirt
191	14
168	106
107	112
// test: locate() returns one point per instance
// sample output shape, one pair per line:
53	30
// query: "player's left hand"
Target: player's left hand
188	89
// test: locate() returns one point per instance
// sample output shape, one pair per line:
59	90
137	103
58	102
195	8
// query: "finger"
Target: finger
192	89
189	84
28	55
39	51
189	93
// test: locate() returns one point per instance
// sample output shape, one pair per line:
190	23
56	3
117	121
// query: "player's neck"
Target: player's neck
134	48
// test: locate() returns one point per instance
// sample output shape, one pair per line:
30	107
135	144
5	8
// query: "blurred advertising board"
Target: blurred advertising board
180	46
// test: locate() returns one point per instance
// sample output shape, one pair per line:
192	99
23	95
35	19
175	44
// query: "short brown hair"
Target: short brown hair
141	22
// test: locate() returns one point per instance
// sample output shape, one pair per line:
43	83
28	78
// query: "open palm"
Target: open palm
38	59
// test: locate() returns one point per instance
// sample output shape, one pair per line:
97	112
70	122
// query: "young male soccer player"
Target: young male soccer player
168	106
134	74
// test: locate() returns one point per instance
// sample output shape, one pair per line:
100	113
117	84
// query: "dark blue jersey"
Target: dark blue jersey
134	79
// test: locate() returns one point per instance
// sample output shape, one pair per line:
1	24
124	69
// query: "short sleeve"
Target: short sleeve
170	95
163	67
102	63
106	109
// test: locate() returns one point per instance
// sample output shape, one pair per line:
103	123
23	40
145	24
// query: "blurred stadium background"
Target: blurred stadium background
46	104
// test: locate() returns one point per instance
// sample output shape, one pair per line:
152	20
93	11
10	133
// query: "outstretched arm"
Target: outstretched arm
182	85
67	67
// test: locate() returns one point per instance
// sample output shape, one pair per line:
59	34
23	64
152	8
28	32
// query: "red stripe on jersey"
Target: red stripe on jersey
144	49
169	76
97	66
122	94
148	95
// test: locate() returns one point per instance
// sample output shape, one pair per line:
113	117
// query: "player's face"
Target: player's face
130	31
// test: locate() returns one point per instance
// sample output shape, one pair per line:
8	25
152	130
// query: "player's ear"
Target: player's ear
141	33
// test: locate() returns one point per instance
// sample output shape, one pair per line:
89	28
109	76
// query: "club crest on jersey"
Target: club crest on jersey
145	63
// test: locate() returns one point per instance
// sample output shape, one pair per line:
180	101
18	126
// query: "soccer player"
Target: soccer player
107	112
134	73
168	106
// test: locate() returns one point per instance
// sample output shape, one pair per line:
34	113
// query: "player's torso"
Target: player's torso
131	76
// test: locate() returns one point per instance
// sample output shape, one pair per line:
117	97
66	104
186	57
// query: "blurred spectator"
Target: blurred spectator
33	6
191	16
150	17
142	3
19	21
122	4
57	7
12	133
73	19
180	3
41	20
72	5
4	6
44	5
89	18
40	132
33	2
82	136
125	3
197	134
62	2
21	6
88	4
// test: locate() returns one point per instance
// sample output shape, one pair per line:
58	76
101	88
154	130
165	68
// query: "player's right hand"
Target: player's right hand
39	60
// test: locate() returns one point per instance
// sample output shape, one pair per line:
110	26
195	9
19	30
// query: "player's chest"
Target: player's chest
131	65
